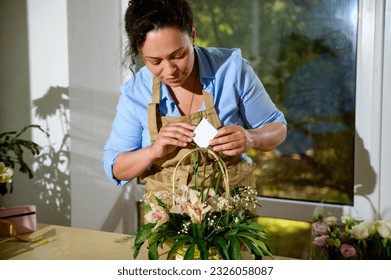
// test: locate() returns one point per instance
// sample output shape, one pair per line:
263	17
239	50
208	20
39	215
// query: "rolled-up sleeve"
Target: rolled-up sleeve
256	107
125	135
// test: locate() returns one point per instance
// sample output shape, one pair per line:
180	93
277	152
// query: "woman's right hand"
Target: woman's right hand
172	136
129	165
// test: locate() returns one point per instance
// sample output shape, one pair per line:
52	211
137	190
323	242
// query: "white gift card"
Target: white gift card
204	132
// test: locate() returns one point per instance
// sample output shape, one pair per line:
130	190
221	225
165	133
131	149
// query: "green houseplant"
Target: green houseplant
12	148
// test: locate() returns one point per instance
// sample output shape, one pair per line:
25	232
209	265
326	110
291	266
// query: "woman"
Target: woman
180	84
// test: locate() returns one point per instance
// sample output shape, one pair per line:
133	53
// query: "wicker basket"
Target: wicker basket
220	162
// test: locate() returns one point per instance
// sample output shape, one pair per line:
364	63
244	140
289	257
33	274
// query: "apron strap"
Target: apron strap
156	91
153	110
210	107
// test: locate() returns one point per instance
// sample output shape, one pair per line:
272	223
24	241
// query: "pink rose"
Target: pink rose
320	228
321	241
347	251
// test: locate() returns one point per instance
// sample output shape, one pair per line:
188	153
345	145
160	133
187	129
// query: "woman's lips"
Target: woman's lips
173	80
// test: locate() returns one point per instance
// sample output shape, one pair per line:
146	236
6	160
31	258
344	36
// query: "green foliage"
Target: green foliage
12	149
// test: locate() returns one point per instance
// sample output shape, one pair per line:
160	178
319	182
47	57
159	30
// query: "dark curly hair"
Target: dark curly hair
143	16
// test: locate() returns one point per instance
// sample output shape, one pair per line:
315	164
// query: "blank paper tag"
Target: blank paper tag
204	132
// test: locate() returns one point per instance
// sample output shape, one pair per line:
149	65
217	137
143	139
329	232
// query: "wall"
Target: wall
385	179
94	29
41	42
34	85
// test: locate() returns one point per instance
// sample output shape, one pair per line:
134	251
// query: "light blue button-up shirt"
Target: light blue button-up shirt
238	94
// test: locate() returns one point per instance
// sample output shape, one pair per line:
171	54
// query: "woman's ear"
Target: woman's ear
193	34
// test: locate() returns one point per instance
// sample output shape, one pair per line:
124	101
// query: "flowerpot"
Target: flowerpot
213	253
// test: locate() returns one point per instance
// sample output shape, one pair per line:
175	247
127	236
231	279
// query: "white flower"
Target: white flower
330	221
182	194
194	197
383	228
209	195
188	201
222	204
157	215
6	173
363	230
164	196
197	213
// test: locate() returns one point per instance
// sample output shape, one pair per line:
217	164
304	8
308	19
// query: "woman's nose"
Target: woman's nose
171	68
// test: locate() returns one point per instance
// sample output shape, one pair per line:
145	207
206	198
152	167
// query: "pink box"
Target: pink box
23	218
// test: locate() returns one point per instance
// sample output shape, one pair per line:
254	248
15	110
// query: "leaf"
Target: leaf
152	252
254	226
203	247
136	251
255	250
200	233
250	216
233	231
234	248
195	166
194	230
218	180
144	233
190	252
175	247
262	246
147	207
222	245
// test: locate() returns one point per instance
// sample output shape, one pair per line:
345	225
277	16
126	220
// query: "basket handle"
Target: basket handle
221	163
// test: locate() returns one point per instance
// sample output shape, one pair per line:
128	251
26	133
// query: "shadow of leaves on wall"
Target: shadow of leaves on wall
52	165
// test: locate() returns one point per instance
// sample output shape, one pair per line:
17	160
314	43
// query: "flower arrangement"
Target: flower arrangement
350	239
205	222
12	153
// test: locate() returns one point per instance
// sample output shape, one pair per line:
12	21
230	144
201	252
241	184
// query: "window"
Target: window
304	51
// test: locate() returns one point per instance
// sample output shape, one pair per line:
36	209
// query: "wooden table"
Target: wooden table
66	243
69	243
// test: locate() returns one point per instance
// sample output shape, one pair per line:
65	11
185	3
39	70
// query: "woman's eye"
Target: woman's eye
180	55
155	62
152	61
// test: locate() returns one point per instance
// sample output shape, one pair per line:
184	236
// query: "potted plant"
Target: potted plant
12	148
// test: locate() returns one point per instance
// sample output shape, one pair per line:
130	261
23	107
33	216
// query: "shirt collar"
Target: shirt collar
206	71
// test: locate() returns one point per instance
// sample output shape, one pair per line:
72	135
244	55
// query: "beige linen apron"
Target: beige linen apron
159	176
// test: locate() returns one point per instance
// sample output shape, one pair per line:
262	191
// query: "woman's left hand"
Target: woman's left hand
232	141
235	140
